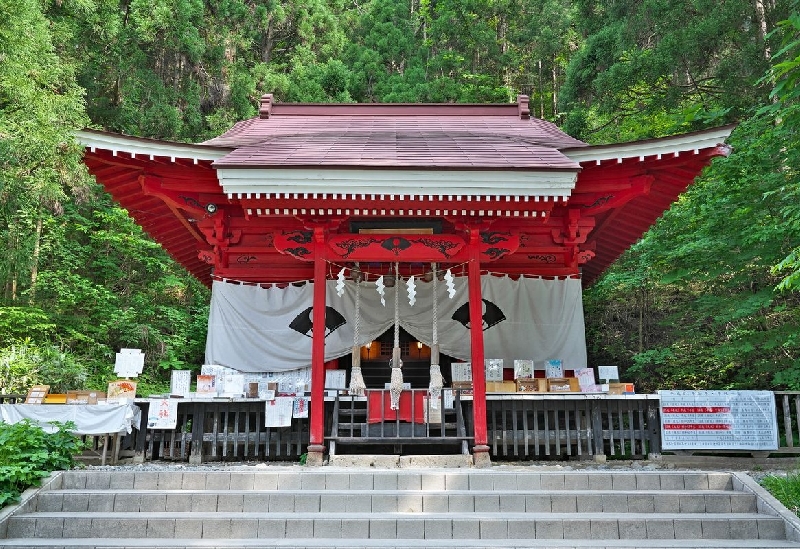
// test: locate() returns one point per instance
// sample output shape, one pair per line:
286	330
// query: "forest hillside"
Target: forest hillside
707	299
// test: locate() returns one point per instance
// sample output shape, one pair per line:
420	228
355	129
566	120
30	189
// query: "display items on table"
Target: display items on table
335	381
180	383
37	394
493	368
121	390
267	390
232	385
206	385
621	389
563	385
586	380
461	372
531	385
501	387
84	397
523	369
607	374
554	368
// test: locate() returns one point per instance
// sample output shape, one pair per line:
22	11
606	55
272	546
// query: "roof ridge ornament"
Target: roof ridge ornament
265	109
524	109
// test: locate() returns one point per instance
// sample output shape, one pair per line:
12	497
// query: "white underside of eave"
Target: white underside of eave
665	147
254	181
146	148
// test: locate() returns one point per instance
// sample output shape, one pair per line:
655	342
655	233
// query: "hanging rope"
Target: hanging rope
396	385
357	386
437	381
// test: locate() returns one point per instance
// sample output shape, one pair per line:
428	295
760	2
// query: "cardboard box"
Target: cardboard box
563	385
501	387
620	389
531	385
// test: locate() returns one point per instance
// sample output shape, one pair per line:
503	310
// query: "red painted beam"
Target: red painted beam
476	340
317	422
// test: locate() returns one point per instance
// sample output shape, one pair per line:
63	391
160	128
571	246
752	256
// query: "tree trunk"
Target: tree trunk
555	88
761	18
642	298
267	42
35	258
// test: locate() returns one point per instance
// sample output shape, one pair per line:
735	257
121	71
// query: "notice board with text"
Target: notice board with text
718	420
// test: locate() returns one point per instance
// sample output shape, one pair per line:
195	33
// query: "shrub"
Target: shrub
28	453
26	364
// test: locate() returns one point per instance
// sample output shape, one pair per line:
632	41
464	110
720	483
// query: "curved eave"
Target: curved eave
673	163
119	163
149	148
658	148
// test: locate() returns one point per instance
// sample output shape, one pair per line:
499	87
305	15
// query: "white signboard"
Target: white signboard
585	379
461	371
129	363
718	420
523	369
493	368
335	379
232	385
180	382
162	413
279	412
607	373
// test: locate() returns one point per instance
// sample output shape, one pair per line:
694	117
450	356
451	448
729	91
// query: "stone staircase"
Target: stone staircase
338	507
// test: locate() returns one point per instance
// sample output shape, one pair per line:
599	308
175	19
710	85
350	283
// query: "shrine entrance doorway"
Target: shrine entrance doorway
376	359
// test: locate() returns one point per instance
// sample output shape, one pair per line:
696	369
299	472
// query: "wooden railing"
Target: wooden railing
519	426
220	431
370	420
787	409
547	426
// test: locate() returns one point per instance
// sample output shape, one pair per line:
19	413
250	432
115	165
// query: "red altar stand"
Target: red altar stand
379	407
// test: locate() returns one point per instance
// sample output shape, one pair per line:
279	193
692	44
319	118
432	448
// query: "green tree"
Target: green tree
40	163
652	68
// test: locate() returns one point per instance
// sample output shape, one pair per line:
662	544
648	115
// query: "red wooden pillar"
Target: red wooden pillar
481	449
316	447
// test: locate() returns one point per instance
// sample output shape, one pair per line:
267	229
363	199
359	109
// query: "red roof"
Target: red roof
399	136
621	189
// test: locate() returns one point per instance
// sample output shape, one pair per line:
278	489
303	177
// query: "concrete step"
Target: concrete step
446	479
260	507
410	501
338	543
398	526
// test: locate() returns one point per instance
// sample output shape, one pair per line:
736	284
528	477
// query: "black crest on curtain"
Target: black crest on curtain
302	323
492	315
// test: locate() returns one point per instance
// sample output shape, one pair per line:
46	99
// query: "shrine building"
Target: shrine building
393	240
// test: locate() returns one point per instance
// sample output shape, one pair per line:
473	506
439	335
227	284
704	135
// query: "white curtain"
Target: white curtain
254	329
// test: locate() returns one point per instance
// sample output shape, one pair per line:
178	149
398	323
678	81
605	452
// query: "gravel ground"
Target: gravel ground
755	467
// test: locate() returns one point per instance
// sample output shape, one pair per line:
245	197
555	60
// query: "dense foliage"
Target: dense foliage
28	454
707	299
